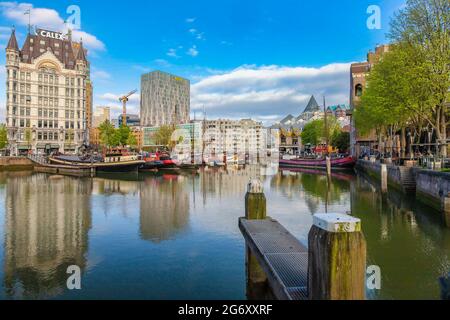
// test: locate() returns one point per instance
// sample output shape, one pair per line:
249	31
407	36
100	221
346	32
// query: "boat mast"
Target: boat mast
326	125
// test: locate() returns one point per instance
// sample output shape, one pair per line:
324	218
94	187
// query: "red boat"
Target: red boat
344	163
158	161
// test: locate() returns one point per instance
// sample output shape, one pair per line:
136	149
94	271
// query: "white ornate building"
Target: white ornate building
46	93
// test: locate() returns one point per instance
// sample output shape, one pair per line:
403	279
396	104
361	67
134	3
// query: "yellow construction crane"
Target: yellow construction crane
124	101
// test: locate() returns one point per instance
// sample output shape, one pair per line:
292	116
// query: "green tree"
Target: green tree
124	132
163	136
132	141
3	136
341	141
314	132
386	104
422	28
108	135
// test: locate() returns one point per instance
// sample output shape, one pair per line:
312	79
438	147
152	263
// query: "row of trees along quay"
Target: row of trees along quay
407	92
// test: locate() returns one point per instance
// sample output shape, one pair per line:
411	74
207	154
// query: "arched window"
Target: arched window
358	90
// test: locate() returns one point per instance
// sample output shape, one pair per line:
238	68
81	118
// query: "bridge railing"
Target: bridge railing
40	159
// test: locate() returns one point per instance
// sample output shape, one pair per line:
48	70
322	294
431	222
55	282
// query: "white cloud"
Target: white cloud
112	97
112	100
172	53
191	20
197	34
193	51
100	75
5	33
47	19
200	36
269	92
89	41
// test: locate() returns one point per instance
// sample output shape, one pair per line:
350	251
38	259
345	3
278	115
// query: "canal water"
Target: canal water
176	236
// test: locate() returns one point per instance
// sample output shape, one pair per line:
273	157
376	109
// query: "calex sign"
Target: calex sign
51	34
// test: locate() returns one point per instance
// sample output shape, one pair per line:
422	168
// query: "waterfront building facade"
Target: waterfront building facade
101	115
214	139
234	137
46	98
138	134
291	127
94	137
89	106
165	99
362	144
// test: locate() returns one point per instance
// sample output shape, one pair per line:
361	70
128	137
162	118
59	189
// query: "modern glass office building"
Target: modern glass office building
165	99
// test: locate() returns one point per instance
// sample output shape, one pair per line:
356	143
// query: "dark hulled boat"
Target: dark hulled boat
345	163
114	160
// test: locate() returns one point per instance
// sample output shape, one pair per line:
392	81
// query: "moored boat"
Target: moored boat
344	163
113	160
158	161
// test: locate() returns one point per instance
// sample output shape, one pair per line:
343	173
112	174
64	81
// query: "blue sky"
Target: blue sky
254	58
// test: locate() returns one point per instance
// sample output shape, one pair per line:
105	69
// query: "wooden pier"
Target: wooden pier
281	256
331	268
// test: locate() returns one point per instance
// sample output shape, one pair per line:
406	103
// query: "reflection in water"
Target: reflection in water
405	238
164	207
46	221
314	188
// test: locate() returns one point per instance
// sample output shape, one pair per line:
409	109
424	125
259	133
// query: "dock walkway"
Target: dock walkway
282	257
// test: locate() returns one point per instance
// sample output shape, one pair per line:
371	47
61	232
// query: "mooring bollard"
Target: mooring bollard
437	165
255	209
384	177
255	201
337	258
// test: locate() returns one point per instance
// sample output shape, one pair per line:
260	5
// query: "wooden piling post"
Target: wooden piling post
337	258
255	201
255	209
384	178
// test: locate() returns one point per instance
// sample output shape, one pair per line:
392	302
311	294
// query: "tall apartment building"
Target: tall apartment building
244	136
165	99
46	93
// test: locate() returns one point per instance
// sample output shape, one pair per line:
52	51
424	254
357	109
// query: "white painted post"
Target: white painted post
437	165
328	160
384	177
337	258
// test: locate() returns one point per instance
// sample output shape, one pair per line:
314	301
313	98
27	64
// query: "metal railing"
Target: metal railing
40	159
